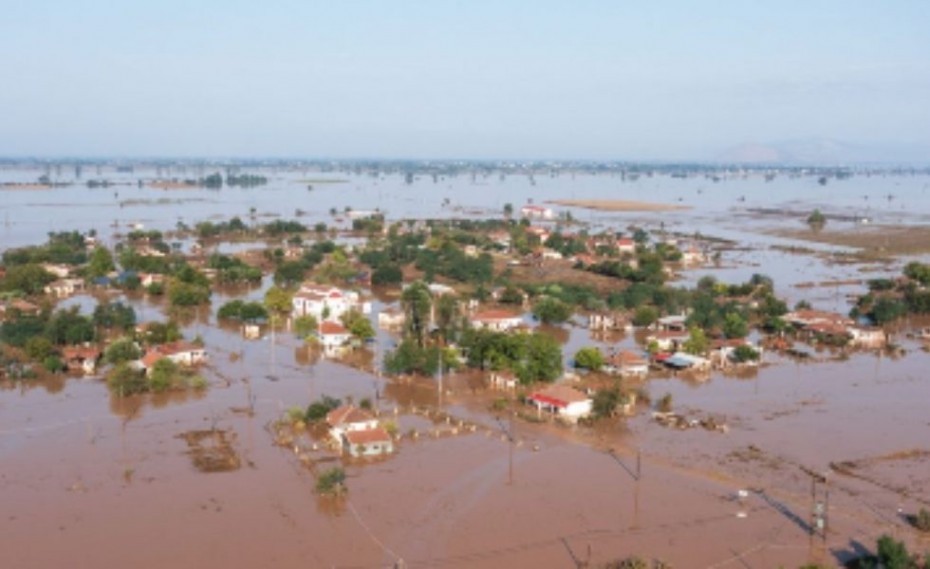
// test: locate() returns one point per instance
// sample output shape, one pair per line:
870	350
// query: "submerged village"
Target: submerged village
473	342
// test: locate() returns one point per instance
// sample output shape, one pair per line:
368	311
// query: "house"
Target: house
371	442
722	351
497	320
64	287
626	245
358	431
149	251
81	358
148	279
563	401
57	269
333	335
540	232
391	318
325	302
503	379
181	353
682	361
627	363
806	318
668	340
536	212
608	321
692	255
867	337
20	306
550	254
673	322
349	418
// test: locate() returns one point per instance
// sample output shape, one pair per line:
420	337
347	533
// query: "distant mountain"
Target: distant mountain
820	151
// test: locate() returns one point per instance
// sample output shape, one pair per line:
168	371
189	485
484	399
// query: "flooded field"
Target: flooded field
195	479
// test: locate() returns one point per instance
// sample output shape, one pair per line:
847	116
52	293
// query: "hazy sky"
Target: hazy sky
472	79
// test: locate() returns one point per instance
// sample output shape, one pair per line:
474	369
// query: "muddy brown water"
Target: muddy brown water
88	479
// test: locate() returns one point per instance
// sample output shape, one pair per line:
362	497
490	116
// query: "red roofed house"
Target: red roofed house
626	245
497	320
627	363
536	211
183	353
80	358
325	302
564	402
357	431
333	335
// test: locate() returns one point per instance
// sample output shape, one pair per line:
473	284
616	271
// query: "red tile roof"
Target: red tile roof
328	328
348	414
368	436
559	396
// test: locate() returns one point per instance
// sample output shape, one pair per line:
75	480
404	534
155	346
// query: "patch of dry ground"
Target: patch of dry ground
880	239
620	205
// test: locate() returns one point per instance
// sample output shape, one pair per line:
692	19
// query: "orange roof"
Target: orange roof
149	359
559	395
368	436
80	352
348	414
626	358
328	328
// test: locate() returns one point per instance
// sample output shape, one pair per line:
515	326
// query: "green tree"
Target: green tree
508	210
358	325
101	263
551	310
417	304
278	301
605	402
645	316
543	359
27	279
696	343
735	326
589	358
744	354
121	350
125	380
69	327
305	326
38	348
318	410
893	554
387	274
164	375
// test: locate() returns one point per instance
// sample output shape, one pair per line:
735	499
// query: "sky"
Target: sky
470	79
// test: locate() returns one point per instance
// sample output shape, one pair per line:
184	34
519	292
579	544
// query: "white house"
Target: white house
536	211
497	320
325	302
867	337
59	270
626	245
564	402
64	287
391	318
502	379
333	335
608	321
668	340
182	353
358	431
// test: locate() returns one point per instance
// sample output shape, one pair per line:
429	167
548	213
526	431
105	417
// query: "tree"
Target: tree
332	481
816	219
645	316
69	327
744	354
893	554
305	325
125	380
551	310
734	325
278	301
318	410
589	358
101	263
417	304
543	359
38	348
887	309
358	325
508	210
605	402
447	316
121	350
696	344
411	358
115	315
387	274
163	375
27	279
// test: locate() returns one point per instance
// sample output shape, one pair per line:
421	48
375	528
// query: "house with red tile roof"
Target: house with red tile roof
358	431
562	401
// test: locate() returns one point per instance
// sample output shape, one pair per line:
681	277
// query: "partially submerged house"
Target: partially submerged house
496	319
391	318
358	432
536	212
627	363
668	340
181	353
562	401
608	321
325	302
333	335
62	288
81	359
503	379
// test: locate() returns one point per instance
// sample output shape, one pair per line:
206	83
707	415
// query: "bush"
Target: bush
332	481
922	520
124	380
318	410
589	358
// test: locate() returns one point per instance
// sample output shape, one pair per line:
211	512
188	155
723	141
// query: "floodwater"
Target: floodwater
87	479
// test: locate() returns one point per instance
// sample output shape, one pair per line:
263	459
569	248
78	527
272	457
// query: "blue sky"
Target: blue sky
469	79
